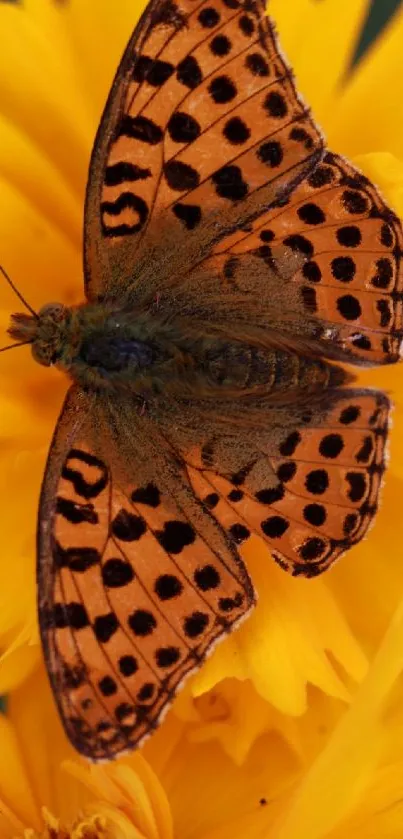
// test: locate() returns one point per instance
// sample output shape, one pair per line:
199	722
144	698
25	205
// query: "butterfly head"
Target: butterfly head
46	331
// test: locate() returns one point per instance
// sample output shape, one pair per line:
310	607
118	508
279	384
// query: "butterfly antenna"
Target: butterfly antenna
18	293
11	346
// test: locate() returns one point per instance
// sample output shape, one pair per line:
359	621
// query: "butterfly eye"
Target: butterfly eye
43	353
53	311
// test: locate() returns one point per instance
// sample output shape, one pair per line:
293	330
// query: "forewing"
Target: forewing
134	591
325	266
308	485
203	128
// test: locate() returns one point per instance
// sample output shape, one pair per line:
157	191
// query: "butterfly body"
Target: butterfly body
150	353
229	260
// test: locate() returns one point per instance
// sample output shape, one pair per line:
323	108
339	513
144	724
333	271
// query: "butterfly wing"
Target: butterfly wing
325	265
134	590
307	481
203	128
205	146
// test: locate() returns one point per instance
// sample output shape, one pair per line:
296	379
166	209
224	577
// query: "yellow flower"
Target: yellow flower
276	709
333	775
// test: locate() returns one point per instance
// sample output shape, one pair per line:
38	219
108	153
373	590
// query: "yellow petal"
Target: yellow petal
271	649
98	56
32	712
235	715
16	794
117	825
318	39
55	114
135	796
19	659
367	117
368	581
340	775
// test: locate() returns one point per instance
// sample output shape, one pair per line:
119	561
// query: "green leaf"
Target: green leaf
379	15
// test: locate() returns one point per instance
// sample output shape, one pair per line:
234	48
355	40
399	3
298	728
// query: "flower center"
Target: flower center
94	827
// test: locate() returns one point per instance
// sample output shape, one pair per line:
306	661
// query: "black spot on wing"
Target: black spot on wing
128	665
188	72
357	485
76	513
85	488
140	128
167	587
146	692
183	128
275	526
257	65
107	686
180	176
209	17
189	214
211	500
117	573
128	527
118	173
331	445
312	548
222	90
167	656
275	105
148	495
73	676
366	450
142	622
195	624
229	183
317	481
152	70
300	135
220	45
73	615
76	559
105	626
270	153
207	577
126	201
175	536
289	445
239	532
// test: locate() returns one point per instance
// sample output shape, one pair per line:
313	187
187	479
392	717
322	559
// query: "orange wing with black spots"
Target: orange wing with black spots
203	128
215	219
312	493
326	263
133	592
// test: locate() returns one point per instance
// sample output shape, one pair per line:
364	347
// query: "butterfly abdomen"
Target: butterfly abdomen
249	367
141	352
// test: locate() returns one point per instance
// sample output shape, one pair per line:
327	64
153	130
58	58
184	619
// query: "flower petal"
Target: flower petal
32	712
42	95
98	56
131	786
367	117
319	39
286	641
17	803
340	775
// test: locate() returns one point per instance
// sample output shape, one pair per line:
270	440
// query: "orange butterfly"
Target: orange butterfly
227	254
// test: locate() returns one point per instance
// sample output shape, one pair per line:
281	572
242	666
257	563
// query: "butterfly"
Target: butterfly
230	260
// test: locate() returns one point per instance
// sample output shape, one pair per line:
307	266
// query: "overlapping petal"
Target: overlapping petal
277	711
